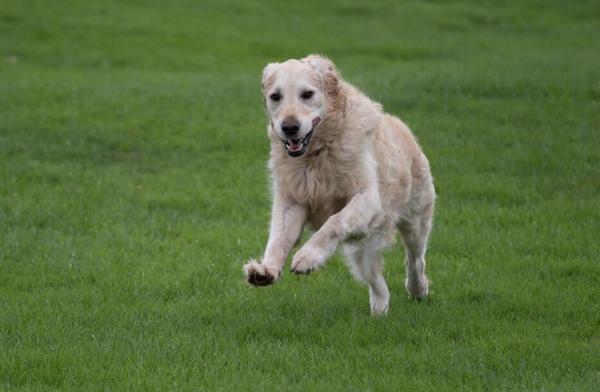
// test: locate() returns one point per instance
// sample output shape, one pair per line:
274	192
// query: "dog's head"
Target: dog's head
299	95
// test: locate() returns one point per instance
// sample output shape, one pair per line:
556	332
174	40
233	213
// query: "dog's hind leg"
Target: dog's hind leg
415	233
366	264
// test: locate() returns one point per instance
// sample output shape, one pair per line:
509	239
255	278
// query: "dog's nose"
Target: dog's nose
290	126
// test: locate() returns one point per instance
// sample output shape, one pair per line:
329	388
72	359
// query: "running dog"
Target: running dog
351	172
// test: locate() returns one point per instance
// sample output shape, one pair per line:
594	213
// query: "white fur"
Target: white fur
362	178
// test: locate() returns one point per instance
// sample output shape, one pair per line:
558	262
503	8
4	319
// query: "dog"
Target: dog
354	174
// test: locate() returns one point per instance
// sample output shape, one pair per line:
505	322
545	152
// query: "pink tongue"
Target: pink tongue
294	147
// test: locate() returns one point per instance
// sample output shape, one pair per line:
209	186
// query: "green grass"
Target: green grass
133	186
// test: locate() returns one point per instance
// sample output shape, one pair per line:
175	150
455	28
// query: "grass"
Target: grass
133	186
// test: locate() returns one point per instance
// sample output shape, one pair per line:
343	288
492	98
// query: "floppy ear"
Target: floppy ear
328	72
268	76
321	64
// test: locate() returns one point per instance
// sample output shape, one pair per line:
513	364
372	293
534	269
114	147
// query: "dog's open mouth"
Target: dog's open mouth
297	147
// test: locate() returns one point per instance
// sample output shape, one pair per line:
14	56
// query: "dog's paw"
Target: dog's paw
379	300
417	288
379	309
259	274
306	260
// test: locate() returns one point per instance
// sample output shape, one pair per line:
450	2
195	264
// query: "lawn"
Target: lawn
133	186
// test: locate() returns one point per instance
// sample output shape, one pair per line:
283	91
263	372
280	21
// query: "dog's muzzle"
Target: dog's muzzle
297	147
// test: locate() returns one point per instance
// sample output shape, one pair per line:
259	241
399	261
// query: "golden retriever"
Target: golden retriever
353	173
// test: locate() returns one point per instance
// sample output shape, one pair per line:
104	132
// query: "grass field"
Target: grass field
133	186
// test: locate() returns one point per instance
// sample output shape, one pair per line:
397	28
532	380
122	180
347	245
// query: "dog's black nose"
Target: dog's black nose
290	126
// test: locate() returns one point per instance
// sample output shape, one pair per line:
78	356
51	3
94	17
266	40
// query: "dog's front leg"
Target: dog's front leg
353	220
287	221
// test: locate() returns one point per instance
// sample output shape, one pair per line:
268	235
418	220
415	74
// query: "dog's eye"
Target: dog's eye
307	94
276	97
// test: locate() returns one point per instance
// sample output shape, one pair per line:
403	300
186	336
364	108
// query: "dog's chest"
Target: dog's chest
324	185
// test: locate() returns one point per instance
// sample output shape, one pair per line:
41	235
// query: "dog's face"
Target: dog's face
297	97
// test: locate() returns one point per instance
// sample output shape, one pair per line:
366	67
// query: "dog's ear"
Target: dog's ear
268	76
322	64
328	71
